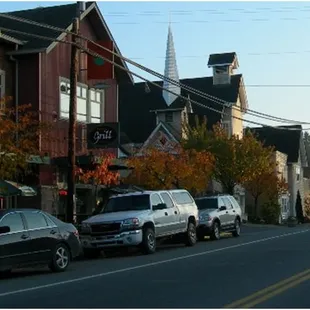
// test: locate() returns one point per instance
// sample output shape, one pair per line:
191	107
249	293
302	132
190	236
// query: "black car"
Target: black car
32	237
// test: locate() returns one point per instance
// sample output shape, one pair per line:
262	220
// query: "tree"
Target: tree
20	130
179	168
236	160
298	208
266	183
100	175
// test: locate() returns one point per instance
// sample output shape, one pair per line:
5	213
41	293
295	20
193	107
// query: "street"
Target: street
266	267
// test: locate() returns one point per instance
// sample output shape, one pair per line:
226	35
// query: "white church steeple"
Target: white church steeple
171	71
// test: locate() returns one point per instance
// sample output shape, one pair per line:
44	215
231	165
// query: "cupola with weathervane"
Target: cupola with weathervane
223	66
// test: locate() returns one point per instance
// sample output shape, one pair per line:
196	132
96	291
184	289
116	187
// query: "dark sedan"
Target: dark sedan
32	237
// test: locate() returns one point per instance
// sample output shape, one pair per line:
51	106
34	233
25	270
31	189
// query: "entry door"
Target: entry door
15	246
223	215
161	217
175	221
44	237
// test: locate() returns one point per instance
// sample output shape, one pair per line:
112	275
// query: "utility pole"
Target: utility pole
71	199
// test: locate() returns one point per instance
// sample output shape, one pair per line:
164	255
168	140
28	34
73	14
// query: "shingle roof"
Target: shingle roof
223	58
59	16
285	141
135	104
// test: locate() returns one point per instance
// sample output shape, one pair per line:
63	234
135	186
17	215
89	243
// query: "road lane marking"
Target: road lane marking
35	288
270	291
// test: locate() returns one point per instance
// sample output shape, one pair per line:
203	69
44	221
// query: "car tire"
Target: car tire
191	235
91	253
216	233
61	258
148	245
236	231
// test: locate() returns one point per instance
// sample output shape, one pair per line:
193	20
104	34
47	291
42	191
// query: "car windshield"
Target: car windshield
207	203
127	203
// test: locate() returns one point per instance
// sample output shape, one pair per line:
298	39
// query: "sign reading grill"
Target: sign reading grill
102	135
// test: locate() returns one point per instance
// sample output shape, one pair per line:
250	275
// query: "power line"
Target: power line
202	94
248	54
210	21
257	10
197	92
94	54
223	103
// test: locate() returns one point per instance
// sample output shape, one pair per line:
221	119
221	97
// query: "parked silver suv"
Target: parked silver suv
216	214
138	219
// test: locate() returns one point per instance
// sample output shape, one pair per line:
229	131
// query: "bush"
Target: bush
270	212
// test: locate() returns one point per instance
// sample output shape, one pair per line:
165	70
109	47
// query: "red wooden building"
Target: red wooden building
37	71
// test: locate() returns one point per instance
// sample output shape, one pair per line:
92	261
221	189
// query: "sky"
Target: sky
271	40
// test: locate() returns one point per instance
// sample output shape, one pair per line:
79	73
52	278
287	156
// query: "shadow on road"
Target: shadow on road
166	245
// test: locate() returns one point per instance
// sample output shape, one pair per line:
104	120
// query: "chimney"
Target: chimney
223	66
81	7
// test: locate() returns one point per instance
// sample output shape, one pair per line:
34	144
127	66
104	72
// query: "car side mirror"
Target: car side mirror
4	229
223	208
160	206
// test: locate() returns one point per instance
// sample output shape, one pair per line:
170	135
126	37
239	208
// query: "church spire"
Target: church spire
171	71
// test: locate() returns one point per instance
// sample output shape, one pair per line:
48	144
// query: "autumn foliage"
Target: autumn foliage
237	161
101	175
178	168
20	130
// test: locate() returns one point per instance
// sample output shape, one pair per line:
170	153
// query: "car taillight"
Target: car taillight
76	233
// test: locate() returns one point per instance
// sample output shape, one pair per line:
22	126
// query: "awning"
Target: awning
7	189
20	189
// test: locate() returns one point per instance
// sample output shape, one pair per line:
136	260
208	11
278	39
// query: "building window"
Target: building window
226	127
169	117
81	108
297	173
96	105
89	102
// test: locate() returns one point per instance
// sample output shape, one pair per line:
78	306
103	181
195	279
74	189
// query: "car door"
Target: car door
223	215
44	236
231	212
160	216
15	246
174	219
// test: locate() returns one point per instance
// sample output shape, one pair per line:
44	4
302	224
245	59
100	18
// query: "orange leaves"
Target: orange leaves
101	175
156	169
20	130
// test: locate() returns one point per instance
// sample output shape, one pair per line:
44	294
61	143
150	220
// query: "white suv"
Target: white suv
139	219
216	214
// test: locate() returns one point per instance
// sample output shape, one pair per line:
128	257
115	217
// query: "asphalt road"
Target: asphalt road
267	267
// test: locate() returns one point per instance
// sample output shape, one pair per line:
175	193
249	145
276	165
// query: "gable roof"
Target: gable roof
161	127
285	141
60	16
222	59
136	104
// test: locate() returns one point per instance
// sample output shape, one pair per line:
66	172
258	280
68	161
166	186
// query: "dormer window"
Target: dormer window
169	117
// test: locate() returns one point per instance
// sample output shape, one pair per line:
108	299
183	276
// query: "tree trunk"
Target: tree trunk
255	206
229	188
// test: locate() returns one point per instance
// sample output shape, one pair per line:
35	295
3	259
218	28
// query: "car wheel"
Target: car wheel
61	258
236	232
91	253
216	234
148	245
191	234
